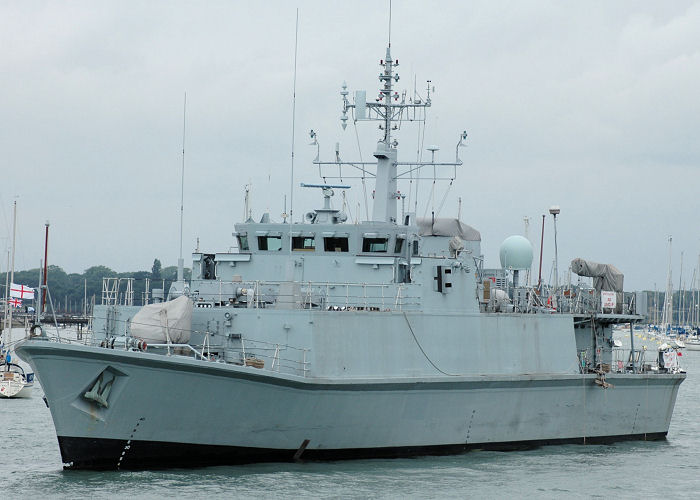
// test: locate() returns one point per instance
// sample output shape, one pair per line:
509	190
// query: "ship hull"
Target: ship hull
172	411
103	454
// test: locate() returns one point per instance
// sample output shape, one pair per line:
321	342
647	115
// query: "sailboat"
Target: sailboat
14	381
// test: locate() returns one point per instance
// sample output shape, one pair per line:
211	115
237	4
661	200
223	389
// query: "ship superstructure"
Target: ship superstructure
327	339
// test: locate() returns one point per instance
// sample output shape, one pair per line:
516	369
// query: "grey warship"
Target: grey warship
332	340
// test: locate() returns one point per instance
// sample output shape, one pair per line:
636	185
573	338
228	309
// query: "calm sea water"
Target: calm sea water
30	467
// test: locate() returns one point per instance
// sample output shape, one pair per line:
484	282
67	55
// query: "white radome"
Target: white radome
516	253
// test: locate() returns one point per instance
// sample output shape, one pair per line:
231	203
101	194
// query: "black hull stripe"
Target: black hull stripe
110	454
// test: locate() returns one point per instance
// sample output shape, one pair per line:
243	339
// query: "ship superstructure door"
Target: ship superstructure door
208	267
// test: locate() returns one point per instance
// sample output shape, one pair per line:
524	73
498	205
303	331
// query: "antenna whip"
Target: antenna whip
294	114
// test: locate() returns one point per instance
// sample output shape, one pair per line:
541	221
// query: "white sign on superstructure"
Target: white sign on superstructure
608	300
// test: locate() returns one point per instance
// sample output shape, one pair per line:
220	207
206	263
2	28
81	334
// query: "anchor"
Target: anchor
100	392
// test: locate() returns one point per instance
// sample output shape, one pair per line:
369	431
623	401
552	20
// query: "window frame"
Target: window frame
267	239
304	240
369	242
333	249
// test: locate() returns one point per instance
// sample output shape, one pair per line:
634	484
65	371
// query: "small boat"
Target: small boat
692	343
14	382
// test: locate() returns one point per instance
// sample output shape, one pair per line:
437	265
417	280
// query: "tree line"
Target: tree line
68	291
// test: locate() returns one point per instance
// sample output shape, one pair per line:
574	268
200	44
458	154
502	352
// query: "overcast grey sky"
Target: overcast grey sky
589	105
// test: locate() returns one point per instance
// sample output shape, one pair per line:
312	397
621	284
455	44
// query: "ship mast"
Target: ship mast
386	195
389	109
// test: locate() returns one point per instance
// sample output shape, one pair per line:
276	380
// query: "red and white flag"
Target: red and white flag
21	291
15	302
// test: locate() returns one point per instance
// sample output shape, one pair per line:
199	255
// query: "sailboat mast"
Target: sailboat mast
697	290
7	291
680	293
12	264
46	268
656	305
539	278
180	261
667	317
690	317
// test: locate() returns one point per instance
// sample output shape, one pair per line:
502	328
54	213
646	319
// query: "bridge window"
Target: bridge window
372	245
243	242
303	243
335	244
398	246
271	243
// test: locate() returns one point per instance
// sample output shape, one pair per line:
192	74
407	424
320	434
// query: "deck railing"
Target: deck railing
625	360
313	295
276	357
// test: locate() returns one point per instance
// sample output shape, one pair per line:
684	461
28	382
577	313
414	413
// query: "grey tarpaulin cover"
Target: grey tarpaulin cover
447	227
149	323
607	277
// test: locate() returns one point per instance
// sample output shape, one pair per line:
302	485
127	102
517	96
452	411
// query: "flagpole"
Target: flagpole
12	266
